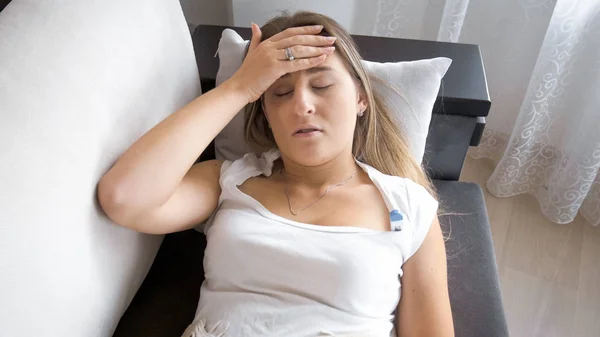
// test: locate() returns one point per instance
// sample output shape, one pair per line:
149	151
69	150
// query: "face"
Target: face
313	112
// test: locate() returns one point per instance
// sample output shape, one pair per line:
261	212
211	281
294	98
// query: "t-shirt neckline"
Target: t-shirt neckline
273	155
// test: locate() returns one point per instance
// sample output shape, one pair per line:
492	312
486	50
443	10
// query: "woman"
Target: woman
319	234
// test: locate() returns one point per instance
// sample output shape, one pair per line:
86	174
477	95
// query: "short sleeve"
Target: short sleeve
422	210
204	225
235	172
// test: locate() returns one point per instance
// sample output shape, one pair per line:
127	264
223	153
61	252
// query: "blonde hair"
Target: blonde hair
377	140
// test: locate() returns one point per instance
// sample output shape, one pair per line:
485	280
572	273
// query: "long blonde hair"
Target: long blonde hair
377	140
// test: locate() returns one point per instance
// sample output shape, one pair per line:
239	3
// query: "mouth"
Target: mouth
308	128
307	132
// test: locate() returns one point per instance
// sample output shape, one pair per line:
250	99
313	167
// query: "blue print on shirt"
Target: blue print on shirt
396	220
396	216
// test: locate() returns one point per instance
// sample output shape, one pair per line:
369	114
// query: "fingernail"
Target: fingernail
329	49
331	38
318	26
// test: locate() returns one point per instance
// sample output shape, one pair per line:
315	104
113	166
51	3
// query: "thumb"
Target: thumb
256	36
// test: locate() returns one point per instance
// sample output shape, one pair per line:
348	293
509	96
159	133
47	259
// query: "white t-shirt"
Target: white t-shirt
270	276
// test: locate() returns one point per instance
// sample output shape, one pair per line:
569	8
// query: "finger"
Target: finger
305	52
306	40
296	31
301	64
256	36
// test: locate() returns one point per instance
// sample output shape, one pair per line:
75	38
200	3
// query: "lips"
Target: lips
304	129
307	130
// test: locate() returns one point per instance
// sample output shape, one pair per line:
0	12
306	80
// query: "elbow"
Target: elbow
113	203
106	194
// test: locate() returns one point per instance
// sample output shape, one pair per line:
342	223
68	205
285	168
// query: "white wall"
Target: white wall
208	12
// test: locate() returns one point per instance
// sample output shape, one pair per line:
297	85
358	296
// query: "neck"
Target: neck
331	172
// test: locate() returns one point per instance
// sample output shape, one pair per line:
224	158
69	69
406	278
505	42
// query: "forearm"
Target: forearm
148	173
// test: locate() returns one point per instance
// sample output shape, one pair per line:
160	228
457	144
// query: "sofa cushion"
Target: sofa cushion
473	282
80	81
167	300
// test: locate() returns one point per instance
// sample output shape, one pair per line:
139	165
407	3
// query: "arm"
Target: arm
153	187
424	308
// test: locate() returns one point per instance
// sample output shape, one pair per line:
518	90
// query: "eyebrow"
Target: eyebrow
312	70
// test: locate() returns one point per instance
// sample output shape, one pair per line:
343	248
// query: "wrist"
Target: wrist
237	90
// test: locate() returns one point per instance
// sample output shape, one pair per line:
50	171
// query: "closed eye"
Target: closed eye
283	94
314	87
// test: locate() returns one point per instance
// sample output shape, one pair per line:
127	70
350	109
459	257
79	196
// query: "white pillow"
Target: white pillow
80	81
408	88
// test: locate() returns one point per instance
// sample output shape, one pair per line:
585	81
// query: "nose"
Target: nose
303	101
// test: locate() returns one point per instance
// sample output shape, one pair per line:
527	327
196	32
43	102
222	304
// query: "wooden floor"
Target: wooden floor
549	273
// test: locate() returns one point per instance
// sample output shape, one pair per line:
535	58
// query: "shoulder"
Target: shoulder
404	195
250	163
402	188
413	207
398	184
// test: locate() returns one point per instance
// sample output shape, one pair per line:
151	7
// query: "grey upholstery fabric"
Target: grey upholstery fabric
475	295
447	143
166	302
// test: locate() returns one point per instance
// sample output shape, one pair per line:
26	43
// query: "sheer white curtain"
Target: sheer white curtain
542	60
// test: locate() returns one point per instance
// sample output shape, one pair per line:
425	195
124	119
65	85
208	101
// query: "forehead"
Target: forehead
333	64
334	61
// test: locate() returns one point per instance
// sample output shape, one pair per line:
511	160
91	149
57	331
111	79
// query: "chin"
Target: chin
309	155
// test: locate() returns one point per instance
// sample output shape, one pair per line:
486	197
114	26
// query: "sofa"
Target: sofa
80	81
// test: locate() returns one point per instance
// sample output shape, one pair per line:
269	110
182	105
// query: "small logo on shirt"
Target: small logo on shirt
396	219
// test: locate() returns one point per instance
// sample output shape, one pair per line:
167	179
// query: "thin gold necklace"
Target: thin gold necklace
319	198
